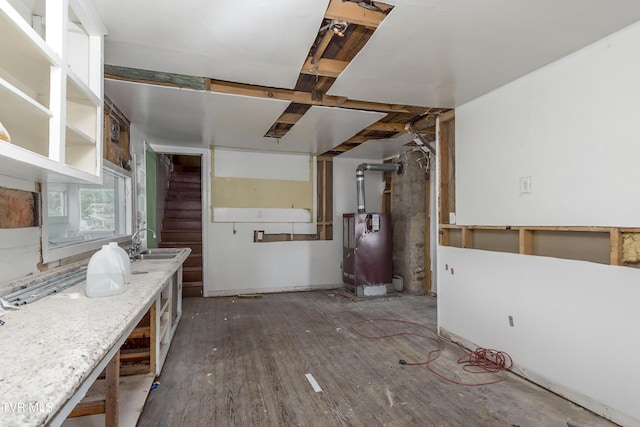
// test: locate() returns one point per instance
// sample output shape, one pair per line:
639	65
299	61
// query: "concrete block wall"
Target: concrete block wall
408	201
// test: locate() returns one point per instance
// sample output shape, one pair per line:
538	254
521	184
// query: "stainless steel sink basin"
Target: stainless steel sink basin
154	256
162	251
158	253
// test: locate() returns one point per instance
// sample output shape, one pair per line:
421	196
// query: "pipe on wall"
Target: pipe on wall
379	167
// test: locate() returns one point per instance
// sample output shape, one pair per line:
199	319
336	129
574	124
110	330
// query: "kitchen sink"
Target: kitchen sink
162	251
152	256
158	253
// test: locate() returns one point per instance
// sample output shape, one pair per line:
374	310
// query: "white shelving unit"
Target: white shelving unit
51	93
168	314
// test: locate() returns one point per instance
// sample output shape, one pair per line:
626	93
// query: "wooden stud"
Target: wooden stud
112	398
467	237
444	236
525	241
616	241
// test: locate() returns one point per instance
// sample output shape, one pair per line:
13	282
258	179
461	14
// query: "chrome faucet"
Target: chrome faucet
136	241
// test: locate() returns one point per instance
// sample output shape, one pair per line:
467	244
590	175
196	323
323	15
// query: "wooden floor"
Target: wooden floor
242	362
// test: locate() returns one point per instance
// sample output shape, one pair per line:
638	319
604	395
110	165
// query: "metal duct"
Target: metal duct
380	167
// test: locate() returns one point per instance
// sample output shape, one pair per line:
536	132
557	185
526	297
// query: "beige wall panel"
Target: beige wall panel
261	193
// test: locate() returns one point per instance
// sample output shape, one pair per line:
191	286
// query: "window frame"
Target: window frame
50	254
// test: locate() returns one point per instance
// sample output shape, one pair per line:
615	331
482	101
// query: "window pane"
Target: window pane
83	213
56	203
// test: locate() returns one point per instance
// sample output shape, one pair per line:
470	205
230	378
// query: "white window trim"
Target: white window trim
55	254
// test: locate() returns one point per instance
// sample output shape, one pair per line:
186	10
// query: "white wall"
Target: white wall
572	127
238	265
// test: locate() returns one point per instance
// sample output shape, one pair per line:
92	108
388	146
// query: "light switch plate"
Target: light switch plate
525	185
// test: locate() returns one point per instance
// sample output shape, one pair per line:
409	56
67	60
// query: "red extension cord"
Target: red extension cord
480	361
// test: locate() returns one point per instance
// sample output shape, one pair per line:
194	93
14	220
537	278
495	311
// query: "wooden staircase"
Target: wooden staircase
182	223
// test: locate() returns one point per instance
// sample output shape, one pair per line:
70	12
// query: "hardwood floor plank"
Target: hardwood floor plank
242	362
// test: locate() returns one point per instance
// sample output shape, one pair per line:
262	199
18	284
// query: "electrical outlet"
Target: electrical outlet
511	321
525	185
260	213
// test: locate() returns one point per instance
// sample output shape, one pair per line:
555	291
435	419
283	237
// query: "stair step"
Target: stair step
185	177
192	289
186	168
194	260
181	225
182	214
185	186
181	236
193	205
183	195
191	274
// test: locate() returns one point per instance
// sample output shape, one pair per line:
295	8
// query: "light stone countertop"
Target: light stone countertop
49	348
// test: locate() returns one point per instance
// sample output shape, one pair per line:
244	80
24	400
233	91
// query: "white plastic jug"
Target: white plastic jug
126	262
105	273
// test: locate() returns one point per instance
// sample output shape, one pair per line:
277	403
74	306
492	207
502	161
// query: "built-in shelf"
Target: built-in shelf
50	106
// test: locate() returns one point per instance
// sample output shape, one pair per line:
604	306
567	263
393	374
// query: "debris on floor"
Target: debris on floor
344	294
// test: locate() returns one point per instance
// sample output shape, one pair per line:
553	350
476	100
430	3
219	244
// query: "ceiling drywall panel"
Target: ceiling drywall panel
380	148
446	53
249	41
187	117
322	128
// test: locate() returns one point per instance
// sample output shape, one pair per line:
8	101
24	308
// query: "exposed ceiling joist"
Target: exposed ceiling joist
324	67
289	118
300	97
351	12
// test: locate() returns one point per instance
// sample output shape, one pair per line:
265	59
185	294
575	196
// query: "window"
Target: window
82	217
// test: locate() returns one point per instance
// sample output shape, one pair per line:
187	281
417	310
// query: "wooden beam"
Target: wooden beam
324	67
289	118
322	46
87	408
386	127
446	116
299	97
154	77
352	13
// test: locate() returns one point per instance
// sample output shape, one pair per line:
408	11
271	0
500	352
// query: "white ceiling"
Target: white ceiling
444	53
433	53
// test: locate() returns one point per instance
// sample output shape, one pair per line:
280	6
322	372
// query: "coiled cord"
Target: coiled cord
479	361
